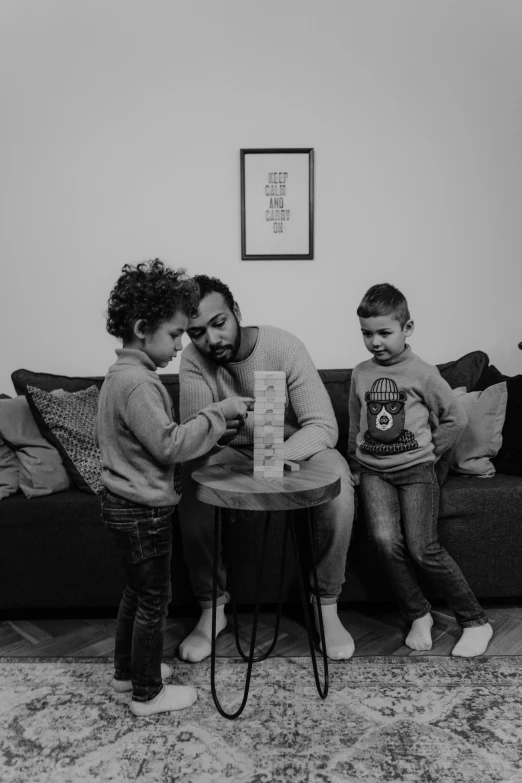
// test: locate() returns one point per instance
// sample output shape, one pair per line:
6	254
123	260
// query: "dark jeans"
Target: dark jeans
144	537
401	510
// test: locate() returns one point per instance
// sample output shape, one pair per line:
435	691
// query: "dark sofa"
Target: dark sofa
55	553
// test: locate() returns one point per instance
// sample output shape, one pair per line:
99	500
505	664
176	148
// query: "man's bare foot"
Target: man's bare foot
419	637
339	643
198	645
474	641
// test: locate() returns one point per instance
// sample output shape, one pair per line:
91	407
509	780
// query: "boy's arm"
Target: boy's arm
312	406
354	413
449	411
167	441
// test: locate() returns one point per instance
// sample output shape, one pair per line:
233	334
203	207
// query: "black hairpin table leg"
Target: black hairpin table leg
279	593
321	688
250	659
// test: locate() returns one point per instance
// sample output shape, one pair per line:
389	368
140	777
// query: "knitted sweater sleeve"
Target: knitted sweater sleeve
449	411
312	406
167	441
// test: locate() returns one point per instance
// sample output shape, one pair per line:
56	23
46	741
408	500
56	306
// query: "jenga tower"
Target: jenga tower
269	421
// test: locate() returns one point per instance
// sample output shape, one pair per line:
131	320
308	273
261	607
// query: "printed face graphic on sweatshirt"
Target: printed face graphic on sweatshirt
385	407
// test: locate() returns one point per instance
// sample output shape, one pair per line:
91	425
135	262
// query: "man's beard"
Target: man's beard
234	348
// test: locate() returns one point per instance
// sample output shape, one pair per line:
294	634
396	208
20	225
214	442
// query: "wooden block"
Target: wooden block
269	374
269	395
289	465
263	405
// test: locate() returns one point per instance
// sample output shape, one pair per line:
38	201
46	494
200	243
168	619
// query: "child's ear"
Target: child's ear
139	328
409	328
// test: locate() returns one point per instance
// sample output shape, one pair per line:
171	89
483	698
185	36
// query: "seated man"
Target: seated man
220	362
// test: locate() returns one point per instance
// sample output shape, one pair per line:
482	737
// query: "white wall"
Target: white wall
121	126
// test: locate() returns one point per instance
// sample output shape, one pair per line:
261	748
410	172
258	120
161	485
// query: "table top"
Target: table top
234	486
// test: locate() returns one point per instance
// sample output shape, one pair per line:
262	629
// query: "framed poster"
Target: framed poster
277	204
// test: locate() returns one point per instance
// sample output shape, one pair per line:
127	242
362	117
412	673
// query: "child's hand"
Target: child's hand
233	427
236	408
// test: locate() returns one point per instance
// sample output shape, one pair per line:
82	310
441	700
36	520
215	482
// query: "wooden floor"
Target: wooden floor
375	633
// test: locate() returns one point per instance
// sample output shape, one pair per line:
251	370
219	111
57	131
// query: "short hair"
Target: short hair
212	285
152	292
384	299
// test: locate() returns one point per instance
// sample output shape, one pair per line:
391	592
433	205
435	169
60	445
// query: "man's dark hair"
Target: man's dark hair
150	291
210	285
384	299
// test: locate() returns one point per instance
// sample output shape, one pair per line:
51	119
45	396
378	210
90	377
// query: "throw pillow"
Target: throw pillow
41	470
48	382
509	458
465	371
67	421
9	467
9	471
482	438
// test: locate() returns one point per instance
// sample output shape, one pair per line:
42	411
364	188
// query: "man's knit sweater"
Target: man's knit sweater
390	408
310	424
139	440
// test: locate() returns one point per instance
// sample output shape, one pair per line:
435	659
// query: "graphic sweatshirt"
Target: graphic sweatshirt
310	423
139	440
390	409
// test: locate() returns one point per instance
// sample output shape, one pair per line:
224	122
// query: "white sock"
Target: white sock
339	643
419	637
122	686
474	641
198	644
171	697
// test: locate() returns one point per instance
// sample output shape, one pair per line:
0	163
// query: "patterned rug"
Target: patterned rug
421	720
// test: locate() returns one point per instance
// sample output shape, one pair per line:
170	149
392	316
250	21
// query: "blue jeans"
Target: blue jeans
144	537
401	510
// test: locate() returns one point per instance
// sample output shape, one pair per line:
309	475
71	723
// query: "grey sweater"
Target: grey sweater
390	421
138	438
310	424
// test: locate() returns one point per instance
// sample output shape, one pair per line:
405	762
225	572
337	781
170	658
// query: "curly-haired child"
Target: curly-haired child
392	451
141	444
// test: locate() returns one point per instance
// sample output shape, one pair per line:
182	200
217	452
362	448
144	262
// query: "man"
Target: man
220	362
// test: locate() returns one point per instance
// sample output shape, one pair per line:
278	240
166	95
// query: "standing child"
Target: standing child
393	449
140	446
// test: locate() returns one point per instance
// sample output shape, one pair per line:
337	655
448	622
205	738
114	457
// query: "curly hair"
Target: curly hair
152	292
384	299
210	285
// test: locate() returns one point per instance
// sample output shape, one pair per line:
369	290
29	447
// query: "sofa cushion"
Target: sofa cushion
482	438
509	458
40	465
67	420
42	380
466	371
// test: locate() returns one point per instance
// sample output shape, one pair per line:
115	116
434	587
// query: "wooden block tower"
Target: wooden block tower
269	423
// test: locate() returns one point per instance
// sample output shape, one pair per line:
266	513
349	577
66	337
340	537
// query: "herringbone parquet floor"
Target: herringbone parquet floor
375	633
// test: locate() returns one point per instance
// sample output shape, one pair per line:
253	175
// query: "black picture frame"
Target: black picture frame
277	203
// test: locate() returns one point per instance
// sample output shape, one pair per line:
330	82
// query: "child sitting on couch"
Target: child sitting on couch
140	446
393	450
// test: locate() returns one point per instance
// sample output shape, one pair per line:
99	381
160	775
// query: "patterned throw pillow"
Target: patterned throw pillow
67	421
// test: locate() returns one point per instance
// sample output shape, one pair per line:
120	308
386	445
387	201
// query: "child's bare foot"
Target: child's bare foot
171	697
122	686
474	641
419	637
339	643
198	645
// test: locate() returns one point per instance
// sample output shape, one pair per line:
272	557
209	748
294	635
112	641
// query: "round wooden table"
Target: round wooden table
235	487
